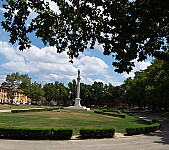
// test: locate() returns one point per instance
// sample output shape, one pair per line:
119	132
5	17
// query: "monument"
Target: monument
77	105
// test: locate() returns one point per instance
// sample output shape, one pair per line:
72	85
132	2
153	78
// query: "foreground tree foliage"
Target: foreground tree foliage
127	30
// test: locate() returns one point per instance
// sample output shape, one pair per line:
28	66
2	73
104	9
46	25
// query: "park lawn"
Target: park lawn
24	106
70	119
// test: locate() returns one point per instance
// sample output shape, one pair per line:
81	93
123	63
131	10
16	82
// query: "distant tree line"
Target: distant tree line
148	89
95	94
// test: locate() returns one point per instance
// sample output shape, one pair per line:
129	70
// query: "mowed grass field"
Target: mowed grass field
7	107
70	119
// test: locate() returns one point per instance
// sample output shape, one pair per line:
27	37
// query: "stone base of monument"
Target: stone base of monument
77	106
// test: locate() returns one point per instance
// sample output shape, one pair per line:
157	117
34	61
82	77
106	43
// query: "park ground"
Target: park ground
153	141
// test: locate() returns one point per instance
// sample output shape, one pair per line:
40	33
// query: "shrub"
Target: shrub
33	110
110	113
98	111
144	129
110	110
155	121
35	133
87	133
62	133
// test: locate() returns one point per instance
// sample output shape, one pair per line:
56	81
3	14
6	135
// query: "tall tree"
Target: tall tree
127	30
72	89
157	89
85	94
149	87
49	90
15	80
97	90
36	92
129	92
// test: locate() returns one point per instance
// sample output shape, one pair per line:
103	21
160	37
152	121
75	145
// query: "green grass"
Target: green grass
7	107
71	119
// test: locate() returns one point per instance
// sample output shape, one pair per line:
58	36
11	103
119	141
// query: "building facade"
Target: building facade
4	94
12	96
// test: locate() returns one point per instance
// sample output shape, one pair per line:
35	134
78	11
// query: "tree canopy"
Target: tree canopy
15	80
149	87
127	30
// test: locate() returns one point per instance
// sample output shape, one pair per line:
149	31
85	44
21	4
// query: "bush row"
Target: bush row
87	133
35	133
53	133
33	109
66	133
110	113
110	110
144	129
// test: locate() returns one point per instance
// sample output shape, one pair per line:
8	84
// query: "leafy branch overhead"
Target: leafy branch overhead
127	30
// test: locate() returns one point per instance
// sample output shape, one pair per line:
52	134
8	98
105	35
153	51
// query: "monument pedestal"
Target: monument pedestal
77	102
77	106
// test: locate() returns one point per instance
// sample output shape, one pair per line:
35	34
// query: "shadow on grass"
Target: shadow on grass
139	120
143	122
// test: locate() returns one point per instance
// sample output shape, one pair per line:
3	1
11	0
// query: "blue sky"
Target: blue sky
44	65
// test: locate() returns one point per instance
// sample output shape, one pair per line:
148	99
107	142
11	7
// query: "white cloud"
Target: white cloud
87	80
92	66
99	47
31	16
53	6
45	55
2	10
113	79
49	66
132	0
48	78
138	66
2	78
9	52
20	67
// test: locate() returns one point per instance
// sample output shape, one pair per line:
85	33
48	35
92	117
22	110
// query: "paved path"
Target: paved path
5	110
156	141
151	142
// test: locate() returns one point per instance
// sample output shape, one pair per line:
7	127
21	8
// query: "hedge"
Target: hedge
110	113
35	133
111	110
98	133
33	110
144	129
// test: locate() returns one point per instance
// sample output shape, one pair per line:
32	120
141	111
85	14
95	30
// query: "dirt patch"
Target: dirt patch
119	135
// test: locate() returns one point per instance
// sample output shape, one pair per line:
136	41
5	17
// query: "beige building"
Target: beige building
4	94
14	96
18	97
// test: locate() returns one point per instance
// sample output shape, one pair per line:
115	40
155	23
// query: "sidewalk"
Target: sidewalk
5	111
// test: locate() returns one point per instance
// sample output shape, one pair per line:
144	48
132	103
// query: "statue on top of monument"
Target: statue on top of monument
78	72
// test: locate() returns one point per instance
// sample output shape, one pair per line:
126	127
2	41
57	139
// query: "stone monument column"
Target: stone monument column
77	105
77	100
